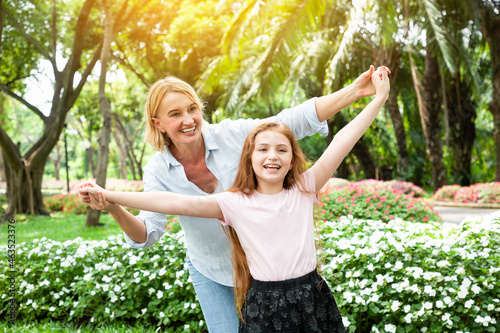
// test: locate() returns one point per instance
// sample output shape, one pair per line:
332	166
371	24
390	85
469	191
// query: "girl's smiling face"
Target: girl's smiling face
180	118
272	158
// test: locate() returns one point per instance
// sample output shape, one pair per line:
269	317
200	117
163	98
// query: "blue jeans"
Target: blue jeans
216	301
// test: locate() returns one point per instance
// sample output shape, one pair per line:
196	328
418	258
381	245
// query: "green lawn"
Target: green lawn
59	227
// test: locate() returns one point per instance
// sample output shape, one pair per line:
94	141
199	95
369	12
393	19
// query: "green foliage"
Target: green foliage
386	277
413	277
377	200
92	282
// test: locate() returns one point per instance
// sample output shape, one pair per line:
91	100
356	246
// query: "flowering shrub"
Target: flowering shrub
386	277
446	193
69	203
414	277
363	200
480	193
103	281
476	193
398	185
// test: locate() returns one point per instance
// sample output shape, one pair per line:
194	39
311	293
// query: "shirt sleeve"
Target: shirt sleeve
301	119
226	203
155	222
309	180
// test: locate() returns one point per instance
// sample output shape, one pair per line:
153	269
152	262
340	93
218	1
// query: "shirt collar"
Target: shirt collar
210	144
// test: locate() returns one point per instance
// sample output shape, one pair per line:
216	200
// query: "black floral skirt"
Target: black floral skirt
303	304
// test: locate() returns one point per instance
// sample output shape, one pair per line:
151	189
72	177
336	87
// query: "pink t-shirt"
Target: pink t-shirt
276	231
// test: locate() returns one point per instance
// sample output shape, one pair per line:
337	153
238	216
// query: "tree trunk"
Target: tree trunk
122	153
24	189
343	169
399	131
104	139
360	150
461	119
490	26
431	122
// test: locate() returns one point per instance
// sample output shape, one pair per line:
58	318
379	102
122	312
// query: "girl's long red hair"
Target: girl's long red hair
246	182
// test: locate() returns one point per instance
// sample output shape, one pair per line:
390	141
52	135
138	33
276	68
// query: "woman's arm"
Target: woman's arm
347	137
161	202
329	105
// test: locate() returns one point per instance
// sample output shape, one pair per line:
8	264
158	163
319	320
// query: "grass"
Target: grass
59	227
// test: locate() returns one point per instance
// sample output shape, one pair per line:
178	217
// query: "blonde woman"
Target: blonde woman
199	159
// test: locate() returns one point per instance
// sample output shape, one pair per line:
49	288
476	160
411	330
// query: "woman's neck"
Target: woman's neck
188	153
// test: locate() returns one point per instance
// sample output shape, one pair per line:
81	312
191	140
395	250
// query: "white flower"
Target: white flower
159	294
52	308
44	283
395	306
407	308
162	314
398	265
143	311
442	263
468	304
186	327
370	267
466	283
186	305
462	293
439	305
447	300
427	305
429	290
408	317
117	288
475	289
491	307
390	328
346	322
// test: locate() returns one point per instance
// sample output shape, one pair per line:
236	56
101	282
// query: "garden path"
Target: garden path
457	214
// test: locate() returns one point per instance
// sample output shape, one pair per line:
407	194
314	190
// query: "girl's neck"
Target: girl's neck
269	188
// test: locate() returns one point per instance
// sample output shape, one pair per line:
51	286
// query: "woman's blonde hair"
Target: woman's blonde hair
246	182
156	94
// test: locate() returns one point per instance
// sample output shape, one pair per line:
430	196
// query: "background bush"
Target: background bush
376	200
476	193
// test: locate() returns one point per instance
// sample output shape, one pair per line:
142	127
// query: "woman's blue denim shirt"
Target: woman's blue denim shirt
207	246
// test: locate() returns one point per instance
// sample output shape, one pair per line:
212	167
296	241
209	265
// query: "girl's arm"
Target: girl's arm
161	202
347	137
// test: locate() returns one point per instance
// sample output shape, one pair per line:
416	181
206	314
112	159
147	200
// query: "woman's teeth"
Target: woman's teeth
188	130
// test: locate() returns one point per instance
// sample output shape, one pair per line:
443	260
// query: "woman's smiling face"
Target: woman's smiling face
180	118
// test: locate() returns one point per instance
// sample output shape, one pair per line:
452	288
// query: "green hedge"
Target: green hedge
386	276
